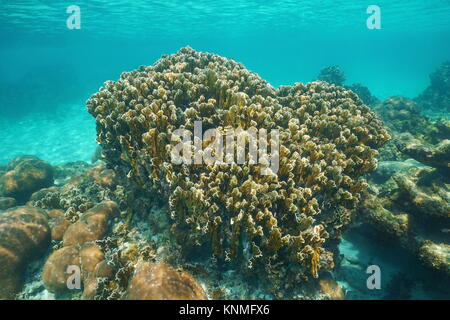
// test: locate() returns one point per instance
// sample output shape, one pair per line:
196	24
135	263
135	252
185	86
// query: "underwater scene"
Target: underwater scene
224	150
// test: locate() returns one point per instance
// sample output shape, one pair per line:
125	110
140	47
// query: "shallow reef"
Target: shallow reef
24	236
138	226
437	95
24	176
411	203
406	122
282	226
334	75
363	93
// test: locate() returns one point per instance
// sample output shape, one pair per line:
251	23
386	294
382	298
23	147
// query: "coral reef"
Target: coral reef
79	249
24	236
363	93
278	224
159	281
80	193
403	116
437	156
437	95
332	289
413	207
26	175
333	75
409	199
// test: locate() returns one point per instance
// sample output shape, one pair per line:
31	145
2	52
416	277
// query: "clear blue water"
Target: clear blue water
45	66
48	71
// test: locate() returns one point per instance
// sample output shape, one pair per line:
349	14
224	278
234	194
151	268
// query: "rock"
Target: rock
159	281
26	175
436	255
24	235
94	266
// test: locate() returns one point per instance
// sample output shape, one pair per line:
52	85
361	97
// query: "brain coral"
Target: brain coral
327	141
27	174
24	235
159	281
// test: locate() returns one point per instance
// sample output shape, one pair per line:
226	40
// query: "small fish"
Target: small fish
445	230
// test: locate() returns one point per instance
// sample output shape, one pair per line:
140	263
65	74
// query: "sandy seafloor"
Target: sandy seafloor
69	136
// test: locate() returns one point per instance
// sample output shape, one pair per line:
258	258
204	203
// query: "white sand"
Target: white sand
68	135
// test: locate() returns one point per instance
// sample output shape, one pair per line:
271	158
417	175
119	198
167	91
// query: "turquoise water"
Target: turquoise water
46	67
48	71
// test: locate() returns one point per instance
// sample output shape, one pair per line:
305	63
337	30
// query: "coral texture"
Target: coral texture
403	117
24	235
413	207
401	114
6	203
79	249
437	156
275	222
159	281
363	93
25	176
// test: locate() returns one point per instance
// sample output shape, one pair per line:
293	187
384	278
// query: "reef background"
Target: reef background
47	72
